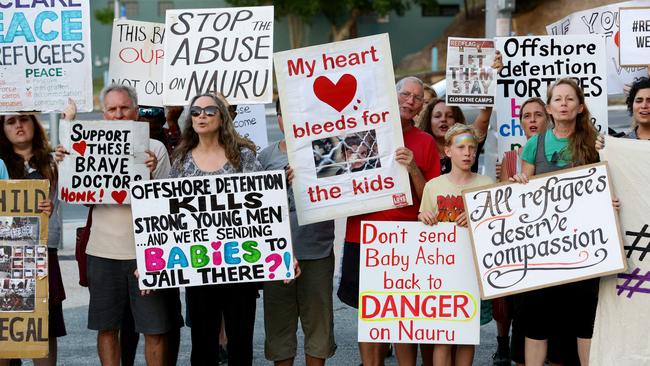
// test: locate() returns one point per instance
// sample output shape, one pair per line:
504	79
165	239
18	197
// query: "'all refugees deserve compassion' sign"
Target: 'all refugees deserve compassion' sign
417	284
45	55
532	64
555	229
225	50
342	124
212	230
105	157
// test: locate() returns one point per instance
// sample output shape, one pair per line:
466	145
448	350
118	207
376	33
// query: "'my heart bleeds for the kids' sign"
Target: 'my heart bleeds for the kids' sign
342	126
338	95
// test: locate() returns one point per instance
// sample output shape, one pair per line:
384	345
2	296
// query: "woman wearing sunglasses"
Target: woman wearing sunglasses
211	146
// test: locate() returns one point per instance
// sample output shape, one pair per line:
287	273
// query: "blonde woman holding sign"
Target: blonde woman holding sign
569	143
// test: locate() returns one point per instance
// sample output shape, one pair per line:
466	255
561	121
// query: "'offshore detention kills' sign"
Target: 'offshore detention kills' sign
558	228
212	230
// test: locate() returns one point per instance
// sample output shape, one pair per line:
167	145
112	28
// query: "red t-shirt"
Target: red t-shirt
425	153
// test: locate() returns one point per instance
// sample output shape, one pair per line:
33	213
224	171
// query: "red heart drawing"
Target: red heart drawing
338	95
79	147
119	196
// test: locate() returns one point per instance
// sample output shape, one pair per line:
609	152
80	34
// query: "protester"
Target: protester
3	170
155	117
25	148
309	297
461	145
638	104
210	146
569	143
172	130
112	267
429	96
420	158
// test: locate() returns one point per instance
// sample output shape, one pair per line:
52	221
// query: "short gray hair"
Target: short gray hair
133	95
412	79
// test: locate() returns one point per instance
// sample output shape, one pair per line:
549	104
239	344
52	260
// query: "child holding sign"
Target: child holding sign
442	201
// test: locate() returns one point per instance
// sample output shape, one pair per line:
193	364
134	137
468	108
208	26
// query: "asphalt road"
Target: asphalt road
78	347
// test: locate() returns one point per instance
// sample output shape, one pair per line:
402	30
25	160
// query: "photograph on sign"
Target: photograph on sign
212	230
46	56
531	64
227	50
557	228
342	127
470	77
104	158
417	284
136	59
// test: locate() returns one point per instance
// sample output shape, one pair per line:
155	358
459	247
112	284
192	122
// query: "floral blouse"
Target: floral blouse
185	167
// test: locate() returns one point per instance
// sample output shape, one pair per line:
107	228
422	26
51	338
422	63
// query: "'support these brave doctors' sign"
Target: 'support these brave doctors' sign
558	228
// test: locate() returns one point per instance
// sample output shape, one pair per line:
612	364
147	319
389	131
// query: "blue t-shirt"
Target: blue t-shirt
4	174
556	149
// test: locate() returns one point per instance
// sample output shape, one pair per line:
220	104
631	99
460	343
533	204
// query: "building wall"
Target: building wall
408	34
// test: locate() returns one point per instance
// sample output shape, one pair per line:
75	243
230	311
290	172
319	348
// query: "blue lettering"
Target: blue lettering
176	256
68	27
230	250
512	129
38	26
18	27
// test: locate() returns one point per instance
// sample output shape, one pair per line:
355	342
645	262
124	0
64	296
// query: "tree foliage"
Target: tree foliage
105	15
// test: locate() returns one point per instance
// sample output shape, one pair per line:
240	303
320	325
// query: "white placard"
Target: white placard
137	59
531	64
45	56
417	284
342	127
555	229
634	36
602	20
105	158
470	77
212	230
250	122
620	331
227	50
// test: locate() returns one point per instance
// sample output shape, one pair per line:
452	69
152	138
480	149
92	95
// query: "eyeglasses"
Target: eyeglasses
151	112
210	111
407	95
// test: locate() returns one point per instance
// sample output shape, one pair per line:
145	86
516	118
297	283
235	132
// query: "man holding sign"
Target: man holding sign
420	156
112	281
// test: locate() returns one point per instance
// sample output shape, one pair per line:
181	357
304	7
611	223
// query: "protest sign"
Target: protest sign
620	332
634	37
250	122
342	125
602	20
105	157
532	64
23	269
470	77
137	59
45	58
417	284
225	50
556	229
212	230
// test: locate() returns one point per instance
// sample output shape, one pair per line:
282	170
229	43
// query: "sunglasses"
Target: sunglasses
210	111
152	112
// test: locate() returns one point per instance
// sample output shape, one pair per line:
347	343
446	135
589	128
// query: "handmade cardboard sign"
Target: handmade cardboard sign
556	229
622	314
342	127
532	64
23	270
225	50
603	20
137	59
634	37
212	230
45	56
250	122
470	77
417	284
105	157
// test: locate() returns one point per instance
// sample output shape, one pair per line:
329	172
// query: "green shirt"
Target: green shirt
552	145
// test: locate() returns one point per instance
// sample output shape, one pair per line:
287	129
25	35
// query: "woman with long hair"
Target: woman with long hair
27	153
569	143
210	145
